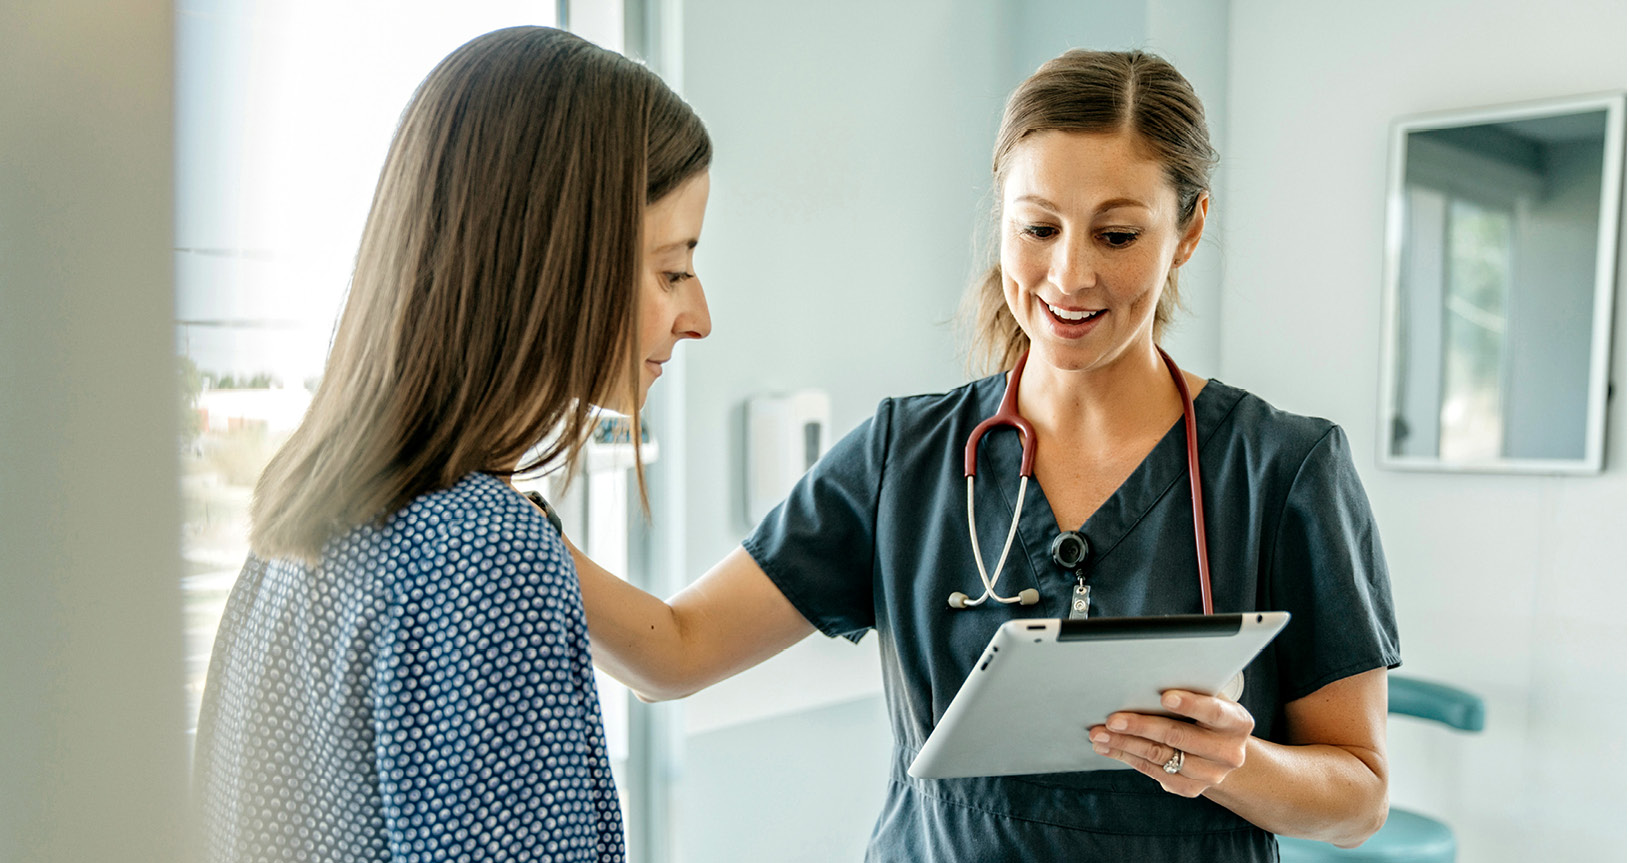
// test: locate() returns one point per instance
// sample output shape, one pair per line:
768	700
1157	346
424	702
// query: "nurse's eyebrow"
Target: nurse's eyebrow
1115	203
686	244
1035	199
1110	204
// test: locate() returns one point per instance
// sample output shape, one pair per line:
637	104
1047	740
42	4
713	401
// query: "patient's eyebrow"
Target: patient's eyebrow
674	246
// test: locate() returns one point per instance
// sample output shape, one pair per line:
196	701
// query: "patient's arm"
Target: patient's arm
729	620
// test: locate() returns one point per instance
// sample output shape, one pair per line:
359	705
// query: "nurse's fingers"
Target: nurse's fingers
1213	712
1213	744
1205	757
1196	774
1224	744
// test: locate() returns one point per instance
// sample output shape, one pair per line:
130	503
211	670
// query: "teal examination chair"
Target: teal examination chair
1408	837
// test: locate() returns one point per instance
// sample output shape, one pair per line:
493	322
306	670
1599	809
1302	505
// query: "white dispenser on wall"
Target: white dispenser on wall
785	436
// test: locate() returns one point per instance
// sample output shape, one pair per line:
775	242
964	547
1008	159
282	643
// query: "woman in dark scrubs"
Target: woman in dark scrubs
1102	168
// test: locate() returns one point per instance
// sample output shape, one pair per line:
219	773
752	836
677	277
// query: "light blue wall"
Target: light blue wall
1039	30
804	786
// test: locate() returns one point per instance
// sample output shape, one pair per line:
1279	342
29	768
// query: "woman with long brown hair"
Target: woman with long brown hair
402	669
1102	173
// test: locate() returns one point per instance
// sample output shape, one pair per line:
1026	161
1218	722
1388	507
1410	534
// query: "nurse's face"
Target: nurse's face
1088	235
672	306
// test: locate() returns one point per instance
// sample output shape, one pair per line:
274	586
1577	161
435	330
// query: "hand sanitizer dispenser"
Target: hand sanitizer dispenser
785	436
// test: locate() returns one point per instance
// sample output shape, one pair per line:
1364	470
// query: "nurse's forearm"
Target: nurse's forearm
729	620
1327	793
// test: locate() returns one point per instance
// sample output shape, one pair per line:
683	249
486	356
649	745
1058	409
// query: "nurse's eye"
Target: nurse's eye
675	278
1039	232
1119	239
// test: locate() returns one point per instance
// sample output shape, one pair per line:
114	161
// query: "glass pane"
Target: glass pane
1474	319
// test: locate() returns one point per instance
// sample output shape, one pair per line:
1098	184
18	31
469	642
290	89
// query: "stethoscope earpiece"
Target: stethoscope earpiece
958	600
1029	596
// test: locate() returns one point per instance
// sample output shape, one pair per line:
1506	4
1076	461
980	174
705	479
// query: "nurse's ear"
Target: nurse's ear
1196	229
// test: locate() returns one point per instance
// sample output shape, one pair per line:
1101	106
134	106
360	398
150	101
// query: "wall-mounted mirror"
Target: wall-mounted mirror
1501	246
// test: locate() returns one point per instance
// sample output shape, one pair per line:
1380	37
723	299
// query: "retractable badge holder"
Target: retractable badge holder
1069	550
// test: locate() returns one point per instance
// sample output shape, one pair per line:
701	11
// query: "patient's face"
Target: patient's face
672	306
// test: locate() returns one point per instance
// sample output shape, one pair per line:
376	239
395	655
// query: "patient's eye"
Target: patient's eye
1040	232
1119	239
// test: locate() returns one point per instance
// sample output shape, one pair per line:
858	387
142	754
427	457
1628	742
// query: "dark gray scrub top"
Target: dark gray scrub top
875	537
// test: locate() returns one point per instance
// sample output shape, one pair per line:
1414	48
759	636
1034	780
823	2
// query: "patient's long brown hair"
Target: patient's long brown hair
494	299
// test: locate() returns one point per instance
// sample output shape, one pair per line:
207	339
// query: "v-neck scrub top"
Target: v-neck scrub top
875	537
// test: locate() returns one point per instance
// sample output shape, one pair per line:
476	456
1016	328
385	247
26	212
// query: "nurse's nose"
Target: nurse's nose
1074	264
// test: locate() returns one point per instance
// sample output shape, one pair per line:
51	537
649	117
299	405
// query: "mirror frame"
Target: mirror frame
1606	258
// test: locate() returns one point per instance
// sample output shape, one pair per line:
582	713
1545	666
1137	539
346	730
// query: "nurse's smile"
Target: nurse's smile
1071	323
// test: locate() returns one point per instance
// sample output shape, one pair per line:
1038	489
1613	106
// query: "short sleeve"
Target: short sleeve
489	743
818	546
1329	572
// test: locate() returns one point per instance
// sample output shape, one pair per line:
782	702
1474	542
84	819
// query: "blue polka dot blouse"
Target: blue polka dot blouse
425	694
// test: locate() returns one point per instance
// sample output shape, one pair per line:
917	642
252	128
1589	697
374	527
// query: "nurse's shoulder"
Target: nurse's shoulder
1252	431
931	417
912	434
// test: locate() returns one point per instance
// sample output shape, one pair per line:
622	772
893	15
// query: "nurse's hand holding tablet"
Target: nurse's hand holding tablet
1102	168
1203	752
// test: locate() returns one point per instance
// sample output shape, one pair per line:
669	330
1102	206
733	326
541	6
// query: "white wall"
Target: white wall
1511	586
92	745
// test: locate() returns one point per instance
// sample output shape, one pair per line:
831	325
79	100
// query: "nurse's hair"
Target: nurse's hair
1096	91
494	299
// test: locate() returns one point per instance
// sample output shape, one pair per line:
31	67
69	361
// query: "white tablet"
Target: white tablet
1029	703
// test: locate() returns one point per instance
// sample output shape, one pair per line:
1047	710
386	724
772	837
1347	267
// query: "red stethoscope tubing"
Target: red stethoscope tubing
1007	415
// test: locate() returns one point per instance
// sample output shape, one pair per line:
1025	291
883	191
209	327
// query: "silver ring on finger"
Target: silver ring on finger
1174	766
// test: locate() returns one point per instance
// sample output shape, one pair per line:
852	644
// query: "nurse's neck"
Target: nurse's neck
1130	396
